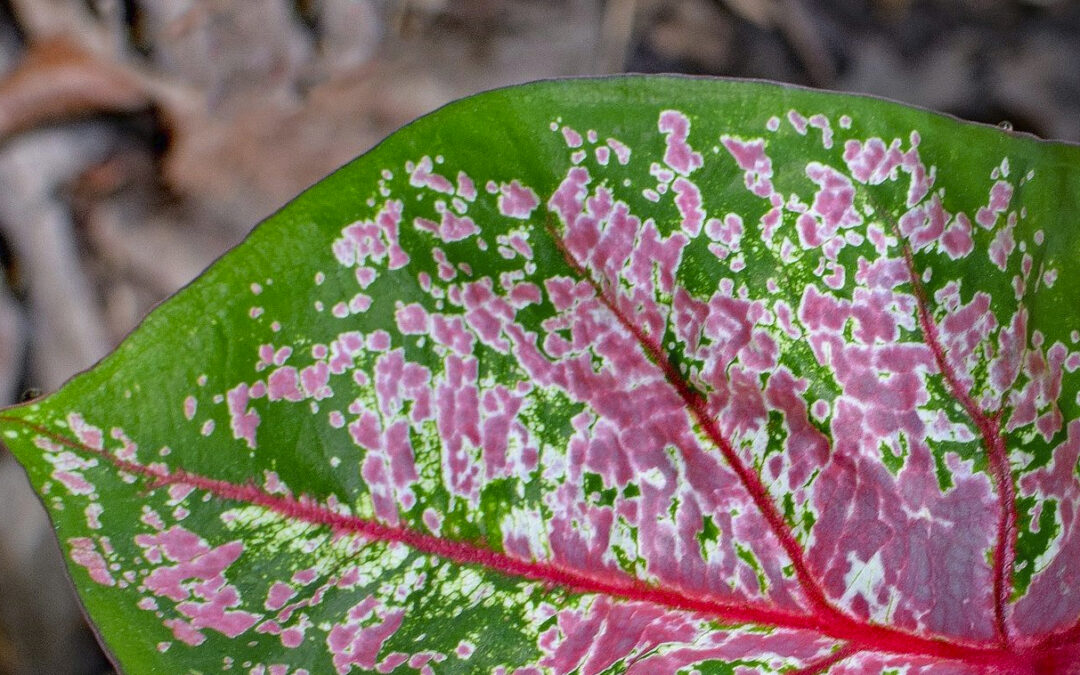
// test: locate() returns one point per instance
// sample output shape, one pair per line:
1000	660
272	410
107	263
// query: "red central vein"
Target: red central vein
699	409
989	426
858	635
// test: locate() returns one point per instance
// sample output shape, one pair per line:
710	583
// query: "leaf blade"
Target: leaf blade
452	464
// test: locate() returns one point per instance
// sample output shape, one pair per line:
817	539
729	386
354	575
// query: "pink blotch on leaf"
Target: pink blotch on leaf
521	245
433	520
343	351
128	447
466	188
921	178
85	554
87	434
451	333
75	483
822	123
152	518
421	661
1002	247
453	228
266	357
196	561
458	421
486	313
924	224
184	632
769	222
653	251
421	176
728	231
366	431
315	380
178	492
999	198
572	138
446	270
834	199
93	513
274	484
517	201
377	240
614	631
797	121
663	176
356	640
278	595
525	294
688	201
284	384
365	275
569	198
378	341
243	420
292	637
217	613
751	158
823	312
835	279
464	649
678	155
360	303
872	162
412	319
956	242
621	150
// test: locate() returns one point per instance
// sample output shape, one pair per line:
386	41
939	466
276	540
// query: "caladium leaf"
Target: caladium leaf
645	375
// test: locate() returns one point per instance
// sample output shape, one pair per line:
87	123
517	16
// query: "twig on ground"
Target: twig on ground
58	79
12	344
68	330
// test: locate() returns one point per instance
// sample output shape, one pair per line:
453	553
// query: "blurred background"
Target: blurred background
139	139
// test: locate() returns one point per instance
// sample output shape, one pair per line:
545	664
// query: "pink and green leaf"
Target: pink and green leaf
643	375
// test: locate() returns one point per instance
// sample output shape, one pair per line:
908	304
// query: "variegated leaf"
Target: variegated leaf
643	375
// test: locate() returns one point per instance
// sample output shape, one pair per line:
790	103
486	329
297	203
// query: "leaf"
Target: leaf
644	375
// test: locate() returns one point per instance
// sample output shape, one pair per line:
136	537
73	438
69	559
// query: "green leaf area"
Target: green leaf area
632	375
